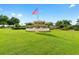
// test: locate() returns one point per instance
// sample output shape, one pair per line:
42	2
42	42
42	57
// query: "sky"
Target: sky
47	12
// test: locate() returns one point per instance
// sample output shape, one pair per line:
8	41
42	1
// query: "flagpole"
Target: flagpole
38	16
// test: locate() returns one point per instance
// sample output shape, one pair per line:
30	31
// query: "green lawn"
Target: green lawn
36	43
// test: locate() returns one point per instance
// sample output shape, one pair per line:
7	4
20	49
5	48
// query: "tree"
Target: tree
3	20
59	24
64	24
77	22
50	25
13	21
29	25
76	27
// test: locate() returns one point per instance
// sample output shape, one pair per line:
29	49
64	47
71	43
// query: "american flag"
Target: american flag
36	11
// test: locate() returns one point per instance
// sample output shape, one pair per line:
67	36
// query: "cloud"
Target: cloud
13	14
72	5
19	15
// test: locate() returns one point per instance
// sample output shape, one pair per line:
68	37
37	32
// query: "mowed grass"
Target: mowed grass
21	42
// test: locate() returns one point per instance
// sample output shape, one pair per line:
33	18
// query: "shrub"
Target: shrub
76	27
20	27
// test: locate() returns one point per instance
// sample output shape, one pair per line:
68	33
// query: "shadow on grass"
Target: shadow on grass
58	37
55	36
48	34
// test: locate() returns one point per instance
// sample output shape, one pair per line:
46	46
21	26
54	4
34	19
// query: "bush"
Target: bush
51	27
76	27
67	28
20	27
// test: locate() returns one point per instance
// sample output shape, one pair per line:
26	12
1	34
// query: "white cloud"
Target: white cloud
13	14
16	15
72	5
19	15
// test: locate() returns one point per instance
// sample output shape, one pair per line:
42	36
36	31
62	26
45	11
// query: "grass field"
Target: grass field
21	42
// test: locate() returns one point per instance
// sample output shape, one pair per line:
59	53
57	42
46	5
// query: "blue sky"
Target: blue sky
47	12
